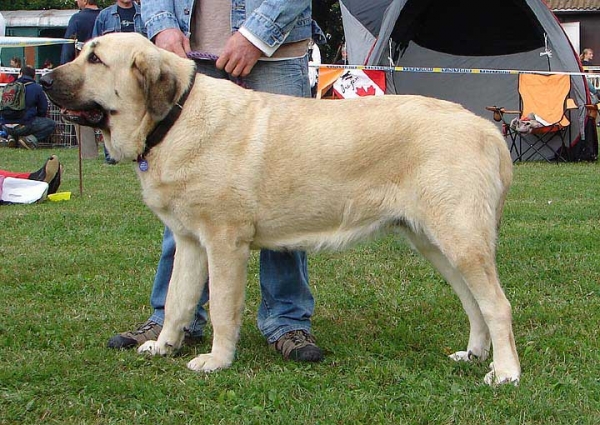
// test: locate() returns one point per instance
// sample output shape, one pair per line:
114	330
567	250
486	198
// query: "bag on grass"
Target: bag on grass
23	191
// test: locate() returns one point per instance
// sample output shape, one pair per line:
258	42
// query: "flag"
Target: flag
354	83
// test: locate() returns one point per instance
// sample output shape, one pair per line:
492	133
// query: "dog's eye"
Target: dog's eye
92	58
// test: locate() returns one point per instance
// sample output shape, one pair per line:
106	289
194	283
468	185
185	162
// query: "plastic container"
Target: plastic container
60	196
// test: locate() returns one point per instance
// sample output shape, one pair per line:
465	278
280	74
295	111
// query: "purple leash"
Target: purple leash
202	56
195	55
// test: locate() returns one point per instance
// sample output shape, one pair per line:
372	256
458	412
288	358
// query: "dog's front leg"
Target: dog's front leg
227	283
185	287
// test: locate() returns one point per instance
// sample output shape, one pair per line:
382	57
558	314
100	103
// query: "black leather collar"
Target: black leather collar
162	128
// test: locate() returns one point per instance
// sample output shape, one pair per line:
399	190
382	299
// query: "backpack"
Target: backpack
12	103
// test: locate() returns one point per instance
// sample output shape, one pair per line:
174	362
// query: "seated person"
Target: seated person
50	173
34	125
9	78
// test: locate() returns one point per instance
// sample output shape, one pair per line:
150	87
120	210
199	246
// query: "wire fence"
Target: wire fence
64	134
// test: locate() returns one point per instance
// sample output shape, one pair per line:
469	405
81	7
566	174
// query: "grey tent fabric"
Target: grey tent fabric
506	35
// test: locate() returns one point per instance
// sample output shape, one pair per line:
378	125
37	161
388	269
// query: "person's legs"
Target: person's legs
30	135
287	303
42	127
11	139
15	133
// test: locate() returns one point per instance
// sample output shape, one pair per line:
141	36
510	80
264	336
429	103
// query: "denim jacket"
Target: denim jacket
108	21
272	21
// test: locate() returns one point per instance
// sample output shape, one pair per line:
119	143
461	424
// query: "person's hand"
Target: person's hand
174	41
239	56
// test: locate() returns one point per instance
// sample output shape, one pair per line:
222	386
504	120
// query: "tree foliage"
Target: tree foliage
44	4
328	16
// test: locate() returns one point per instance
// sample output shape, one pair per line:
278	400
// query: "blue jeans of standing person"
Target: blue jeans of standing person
287	303
41	128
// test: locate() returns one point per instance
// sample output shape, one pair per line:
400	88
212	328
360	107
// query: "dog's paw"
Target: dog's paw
155	349
207	363
497	377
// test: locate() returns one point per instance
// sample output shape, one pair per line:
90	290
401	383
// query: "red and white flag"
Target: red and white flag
358	83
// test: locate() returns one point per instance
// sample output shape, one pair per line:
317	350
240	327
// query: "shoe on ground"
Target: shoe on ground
48	170
148	331
299	346
28	142
12	142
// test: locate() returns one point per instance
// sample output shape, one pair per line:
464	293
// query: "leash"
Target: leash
203	56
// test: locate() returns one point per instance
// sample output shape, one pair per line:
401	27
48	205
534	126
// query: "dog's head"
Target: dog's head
122	84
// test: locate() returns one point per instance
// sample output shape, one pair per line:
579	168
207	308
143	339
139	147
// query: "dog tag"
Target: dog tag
143	164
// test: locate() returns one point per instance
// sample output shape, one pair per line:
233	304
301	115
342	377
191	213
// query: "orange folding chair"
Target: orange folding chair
541	130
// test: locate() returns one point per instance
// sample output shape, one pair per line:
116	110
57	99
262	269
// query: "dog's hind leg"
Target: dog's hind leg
228	263
471	271
479	338
481	277
187	282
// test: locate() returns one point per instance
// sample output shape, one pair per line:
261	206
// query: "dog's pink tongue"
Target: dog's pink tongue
92	116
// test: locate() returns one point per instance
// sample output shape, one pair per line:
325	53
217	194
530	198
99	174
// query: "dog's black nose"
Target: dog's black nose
46	81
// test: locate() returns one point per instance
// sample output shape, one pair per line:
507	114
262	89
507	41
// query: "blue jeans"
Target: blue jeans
40	127
287	303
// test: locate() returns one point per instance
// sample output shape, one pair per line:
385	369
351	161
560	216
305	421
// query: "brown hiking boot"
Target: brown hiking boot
299	346
148	331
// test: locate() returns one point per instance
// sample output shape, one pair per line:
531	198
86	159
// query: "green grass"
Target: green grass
73	273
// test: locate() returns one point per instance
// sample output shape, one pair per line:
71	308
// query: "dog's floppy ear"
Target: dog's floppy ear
159	84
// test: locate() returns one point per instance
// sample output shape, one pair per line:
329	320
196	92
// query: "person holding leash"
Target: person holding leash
265	43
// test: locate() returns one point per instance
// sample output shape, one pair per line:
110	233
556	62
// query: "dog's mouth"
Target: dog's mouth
93	116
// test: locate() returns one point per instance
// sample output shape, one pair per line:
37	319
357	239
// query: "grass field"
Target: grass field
73	273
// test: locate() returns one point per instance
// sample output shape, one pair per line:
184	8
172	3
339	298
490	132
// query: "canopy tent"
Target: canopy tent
467	35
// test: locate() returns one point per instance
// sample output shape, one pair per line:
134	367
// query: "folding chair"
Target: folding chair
543	117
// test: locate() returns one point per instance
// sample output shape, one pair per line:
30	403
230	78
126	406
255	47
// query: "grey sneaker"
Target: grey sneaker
12	142
299	346
28	142
148	331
